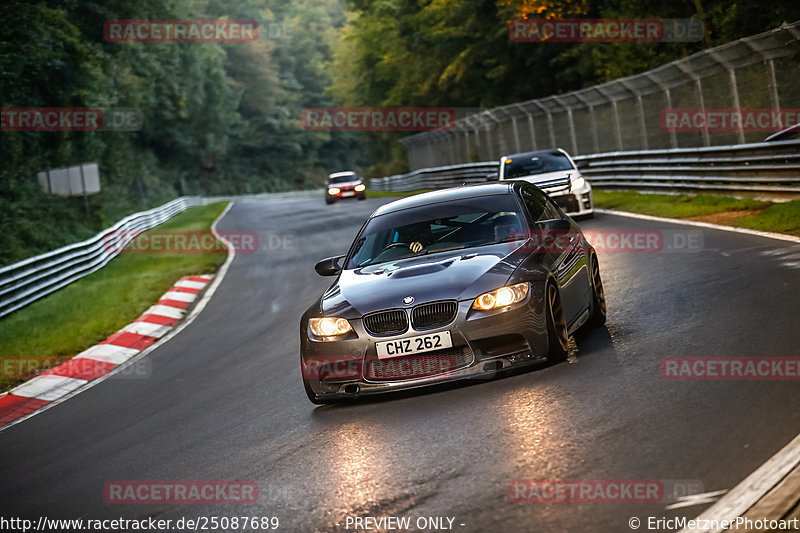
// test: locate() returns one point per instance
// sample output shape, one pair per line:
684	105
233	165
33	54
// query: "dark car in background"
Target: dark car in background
342	185
556	171
449	285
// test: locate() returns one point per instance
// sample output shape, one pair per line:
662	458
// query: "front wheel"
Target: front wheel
598	317
557	334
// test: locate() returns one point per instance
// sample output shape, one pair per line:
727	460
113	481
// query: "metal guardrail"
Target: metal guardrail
744	168
437	178
26	281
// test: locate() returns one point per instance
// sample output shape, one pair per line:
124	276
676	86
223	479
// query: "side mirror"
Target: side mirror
556	225
329	266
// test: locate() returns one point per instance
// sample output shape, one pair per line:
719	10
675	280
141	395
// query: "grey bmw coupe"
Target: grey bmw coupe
449	285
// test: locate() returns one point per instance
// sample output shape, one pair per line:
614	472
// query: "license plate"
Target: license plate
411	345
348	193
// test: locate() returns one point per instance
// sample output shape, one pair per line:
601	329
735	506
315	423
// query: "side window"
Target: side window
550	211
534	201
540	207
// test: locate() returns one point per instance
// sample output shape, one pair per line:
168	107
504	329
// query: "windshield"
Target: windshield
343	179
537	163
440	227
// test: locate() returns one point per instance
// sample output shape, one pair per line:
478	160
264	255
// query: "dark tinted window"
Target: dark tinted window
539	206
522	165
439	227
343	179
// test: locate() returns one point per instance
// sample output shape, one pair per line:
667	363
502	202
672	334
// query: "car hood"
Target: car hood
458	275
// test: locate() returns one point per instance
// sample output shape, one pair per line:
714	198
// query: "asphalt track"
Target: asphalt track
224	400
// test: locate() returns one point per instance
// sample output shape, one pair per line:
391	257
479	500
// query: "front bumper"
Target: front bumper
345	194
576	202
483	344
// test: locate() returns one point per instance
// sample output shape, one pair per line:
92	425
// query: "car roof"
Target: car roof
444	195
340	174
783	133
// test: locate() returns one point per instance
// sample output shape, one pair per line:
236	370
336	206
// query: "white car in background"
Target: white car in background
556	173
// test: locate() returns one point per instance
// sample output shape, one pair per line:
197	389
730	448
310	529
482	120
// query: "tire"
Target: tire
557	334
362	197
598	309
329	201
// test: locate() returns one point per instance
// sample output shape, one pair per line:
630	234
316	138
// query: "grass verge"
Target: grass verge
89	310
781	217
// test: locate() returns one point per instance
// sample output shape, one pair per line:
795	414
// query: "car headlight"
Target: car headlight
329	326
360	187
333	190
578	183
501	297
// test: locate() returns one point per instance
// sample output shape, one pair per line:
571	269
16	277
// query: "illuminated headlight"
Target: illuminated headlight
329	326
360	187
502	297
333	190
578	183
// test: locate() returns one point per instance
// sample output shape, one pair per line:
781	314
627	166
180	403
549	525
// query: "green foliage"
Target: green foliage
672	205
458	52
218	118
225	118
783	217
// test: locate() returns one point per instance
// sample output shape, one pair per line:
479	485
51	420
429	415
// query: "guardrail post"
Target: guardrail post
773	86
673	136
516	134
617	124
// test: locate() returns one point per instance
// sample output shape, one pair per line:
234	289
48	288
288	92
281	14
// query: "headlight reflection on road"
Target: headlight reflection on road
358	465
530	416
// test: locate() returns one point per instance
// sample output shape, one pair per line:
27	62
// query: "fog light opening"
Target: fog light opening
352	389
493	366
